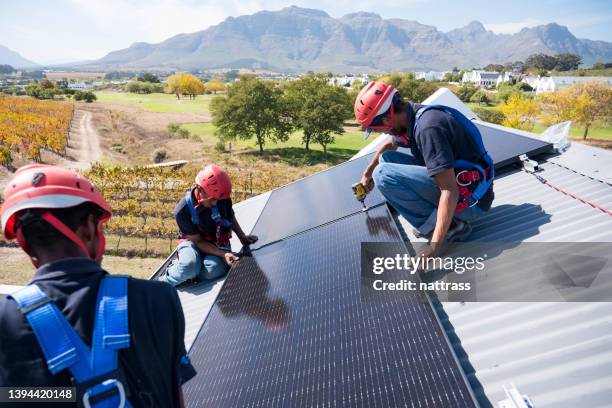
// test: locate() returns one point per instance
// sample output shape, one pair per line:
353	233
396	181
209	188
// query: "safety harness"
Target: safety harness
98	381
222	238
469	172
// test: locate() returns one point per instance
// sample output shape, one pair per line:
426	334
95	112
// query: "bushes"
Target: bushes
86	96
174	130
490	115
159	155
144	87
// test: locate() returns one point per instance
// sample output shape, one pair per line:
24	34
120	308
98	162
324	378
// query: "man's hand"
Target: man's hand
428	252
230	258
248	239
366	181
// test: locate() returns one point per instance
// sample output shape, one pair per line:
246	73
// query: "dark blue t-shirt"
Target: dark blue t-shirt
207	227
439	141
152	364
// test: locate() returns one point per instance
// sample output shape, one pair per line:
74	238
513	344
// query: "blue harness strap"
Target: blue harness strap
195	219
63	348
486	180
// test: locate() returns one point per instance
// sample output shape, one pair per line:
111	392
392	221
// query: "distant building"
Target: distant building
481	78
431	75
80	86
348	80
553	84
505	77
531	81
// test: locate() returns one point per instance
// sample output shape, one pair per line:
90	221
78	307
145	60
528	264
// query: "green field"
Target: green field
157	102
576	131
352	139
292	151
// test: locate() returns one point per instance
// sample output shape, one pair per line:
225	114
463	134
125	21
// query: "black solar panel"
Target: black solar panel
505	147
290	328
313	201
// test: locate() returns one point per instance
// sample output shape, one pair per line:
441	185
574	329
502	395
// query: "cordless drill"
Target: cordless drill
362	191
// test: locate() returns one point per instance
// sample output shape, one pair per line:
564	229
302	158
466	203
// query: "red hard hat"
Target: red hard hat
44	186
215	182
374	99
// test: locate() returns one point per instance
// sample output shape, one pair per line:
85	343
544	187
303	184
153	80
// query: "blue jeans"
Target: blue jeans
192	263
412	192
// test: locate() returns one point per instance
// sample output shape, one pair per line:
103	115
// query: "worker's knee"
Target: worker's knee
187	266
383	178
214	267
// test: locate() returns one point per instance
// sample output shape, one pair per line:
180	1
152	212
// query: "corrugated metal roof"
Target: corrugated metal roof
559	354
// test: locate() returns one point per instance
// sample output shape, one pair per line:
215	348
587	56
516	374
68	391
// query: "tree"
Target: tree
495	67
520	112
480	97
185	84
466	91
541	61
148	77
490	115
409	87
582	103
251	107
46	84
33	90
567	61
89	96
317	108
6	69
214	86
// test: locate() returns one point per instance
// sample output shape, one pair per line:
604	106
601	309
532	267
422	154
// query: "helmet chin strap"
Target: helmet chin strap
68	233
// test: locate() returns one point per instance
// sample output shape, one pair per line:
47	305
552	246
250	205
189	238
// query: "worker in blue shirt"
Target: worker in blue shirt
444	182
206	220
118	340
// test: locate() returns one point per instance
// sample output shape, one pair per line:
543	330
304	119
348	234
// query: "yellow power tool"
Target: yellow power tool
362	191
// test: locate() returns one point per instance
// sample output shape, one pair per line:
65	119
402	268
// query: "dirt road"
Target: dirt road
84	142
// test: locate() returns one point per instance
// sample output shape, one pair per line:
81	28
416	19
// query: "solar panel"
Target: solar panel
290	328
313	201
504	147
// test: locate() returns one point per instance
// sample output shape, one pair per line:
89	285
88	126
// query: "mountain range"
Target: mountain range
296	39
14	59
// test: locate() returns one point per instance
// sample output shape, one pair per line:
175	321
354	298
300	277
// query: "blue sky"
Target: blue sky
68	30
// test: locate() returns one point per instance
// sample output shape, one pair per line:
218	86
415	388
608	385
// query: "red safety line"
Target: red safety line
567	193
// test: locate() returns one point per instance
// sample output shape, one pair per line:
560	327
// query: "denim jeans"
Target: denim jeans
412	192
192	263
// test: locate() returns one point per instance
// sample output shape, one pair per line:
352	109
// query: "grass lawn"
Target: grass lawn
157	102
292	151
576	131
18	270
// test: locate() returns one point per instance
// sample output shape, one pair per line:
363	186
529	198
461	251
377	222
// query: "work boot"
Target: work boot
459	231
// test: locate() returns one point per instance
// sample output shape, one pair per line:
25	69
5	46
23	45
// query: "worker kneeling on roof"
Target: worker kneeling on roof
205	219
118	340
445	181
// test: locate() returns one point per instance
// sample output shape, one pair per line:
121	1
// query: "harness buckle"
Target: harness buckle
457	178
104	390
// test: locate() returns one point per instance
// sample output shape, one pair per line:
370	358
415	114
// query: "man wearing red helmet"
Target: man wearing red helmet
426	186
74	324
205	219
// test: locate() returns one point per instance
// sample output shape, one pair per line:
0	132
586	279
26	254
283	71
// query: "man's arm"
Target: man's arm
209	248
244	238
449	195
367	174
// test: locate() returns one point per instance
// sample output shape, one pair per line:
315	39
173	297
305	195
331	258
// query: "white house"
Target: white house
80	86
481	78
348	80
505	77
431	75
553	84
532	81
